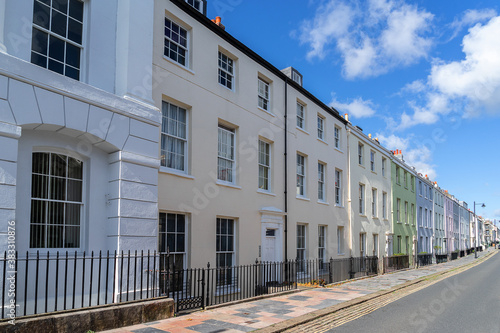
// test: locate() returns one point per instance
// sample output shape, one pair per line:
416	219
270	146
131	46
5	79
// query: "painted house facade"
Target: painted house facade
371	199
439	220
404	206
425	217
235	129
79	152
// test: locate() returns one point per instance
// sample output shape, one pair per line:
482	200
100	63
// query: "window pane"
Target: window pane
75	31
72	55
37	236
41	15
58	24
170	222
76	9
72	237
55	236
60	5
39	41
73	214
74	168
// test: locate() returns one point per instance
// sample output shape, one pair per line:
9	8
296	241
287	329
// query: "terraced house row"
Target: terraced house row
139	126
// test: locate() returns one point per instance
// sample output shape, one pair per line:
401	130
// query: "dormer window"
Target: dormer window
199	5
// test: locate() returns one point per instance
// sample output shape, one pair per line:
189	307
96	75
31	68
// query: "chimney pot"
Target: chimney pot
346	116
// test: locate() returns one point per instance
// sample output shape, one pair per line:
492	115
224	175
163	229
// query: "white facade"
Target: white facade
370	195
233	168
104	122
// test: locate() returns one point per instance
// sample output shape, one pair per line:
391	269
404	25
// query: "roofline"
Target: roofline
356	131
252	55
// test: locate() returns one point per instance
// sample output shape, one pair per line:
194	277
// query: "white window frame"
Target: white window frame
196	4
405	178
362	244
372	160
398	176
264	94
222	157
384	162
322	255
398	210
51	34
338	187
229	251
301	115
167	125
337	131
301	246
384	205
407	216
361	199
421	217
375	245
264	168
340	240
374	202
301	175
163	237
48	181
225	66
321	127
321	182
361	148
169	24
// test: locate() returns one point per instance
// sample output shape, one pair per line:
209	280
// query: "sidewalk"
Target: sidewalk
253	315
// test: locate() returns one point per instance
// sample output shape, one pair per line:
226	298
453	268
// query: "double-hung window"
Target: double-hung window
372	160
197	4
176	43
321	128
56	201
374	202
362	199
225	254
384	161
174	137
338	187
322	246
398	181
336	134
301	122
340	240
226	71
406	213
172	238
264	166
384	205
263	92
398	210
360	153
301	175
321	181
301	247
226	155
57	36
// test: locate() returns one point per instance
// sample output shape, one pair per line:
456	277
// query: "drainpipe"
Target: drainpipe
349	203
286	170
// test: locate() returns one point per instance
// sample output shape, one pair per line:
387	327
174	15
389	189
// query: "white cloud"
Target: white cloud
477	77
332	21
497	213
419	157
372	38
466	87
357	108
471	17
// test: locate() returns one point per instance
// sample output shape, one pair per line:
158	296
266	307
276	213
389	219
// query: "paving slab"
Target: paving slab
257	314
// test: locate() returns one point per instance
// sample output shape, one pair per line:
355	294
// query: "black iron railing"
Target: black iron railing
52	282
424	259
42	283
440	258
395	263
454	255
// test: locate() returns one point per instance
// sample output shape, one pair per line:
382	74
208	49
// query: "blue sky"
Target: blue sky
422	76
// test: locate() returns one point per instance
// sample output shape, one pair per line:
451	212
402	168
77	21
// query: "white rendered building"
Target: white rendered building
249	158
370	195
78	129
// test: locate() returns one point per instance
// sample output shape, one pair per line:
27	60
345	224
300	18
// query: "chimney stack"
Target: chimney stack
346	116
218	21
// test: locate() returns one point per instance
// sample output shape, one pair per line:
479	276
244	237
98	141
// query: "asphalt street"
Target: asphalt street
466	302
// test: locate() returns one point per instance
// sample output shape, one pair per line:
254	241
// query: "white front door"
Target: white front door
269	248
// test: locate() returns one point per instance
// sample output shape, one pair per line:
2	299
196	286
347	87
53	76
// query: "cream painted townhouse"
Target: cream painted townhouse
253	166
370	195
